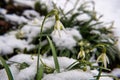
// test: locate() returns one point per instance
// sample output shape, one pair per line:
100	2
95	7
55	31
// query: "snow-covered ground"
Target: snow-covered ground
110	10
29	72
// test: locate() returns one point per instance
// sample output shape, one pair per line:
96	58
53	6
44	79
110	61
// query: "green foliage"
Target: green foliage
23	65
40	73
54	55
41	8
9	74
103	33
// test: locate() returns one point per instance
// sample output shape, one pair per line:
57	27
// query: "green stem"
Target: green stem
55	12
99	75
39	49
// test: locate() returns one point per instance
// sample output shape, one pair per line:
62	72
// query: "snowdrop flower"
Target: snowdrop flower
35	22
81	43
20	34
58	27
81	54
104	59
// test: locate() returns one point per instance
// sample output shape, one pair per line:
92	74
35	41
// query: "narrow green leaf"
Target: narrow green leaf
40	72
9	74
54	55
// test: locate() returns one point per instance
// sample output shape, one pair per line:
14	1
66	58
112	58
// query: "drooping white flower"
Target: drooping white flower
104	59
58	25
81	54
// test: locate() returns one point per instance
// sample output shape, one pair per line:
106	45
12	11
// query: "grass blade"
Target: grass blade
54	55
9	74
40	74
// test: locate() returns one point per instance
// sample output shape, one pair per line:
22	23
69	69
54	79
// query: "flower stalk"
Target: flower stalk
53	12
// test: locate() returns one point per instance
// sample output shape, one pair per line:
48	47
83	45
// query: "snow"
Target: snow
9	43
3	11
32	61
29	3
65	38
64	62
70	75
14	71
29	72
30	14
96	72
30	32
66	6
29	59
110	11
95	32
16	18
116	72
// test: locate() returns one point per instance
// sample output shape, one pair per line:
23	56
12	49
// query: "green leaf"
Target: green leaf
9	74
54	55
40	72
23	65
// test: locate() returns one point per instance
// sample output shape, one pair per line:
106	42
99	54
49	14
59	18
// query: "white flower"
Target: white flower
58	25
81	54
19	34
104	59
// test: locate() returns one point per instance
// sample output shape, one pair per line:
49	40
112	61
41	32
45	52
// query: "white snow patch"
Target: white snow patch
29	59
9	43
29	3
65	38
96	72
31	14
30	32
27	73
69	75
16	18
3	11
30	72
116	72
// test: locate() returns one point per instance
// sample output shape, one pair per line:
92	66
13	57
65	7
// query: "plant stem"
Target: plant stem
39	49
55	12
99	75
